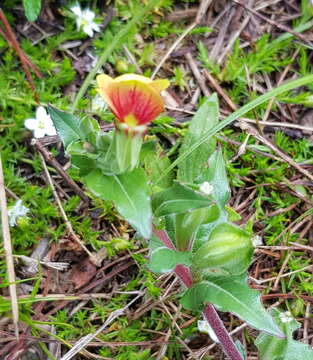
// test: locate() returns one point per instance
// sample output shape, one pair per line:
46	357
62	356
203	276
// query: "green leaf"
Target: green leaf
272	348
205	119
129	192
90	130
216	175
155	162
67	125
231	294
237	114
163	259
81	158
178	199
205	230
32	9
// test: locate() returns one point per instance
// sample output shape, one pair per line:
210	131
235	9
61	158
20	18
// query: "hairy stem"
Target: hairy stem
209	312
221	332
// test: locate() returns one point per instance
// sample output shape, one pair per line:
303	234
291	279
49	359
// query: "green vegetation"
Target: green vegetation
276	197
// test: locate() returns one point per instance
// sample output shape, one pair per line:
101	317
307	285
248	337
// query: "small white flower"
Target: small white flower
285	317
204	327
84	20
206	188
42	125
98	104
17	211
257	240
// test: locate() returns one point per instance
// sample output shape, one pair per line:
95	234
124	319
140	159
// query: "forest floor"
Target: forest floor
202	47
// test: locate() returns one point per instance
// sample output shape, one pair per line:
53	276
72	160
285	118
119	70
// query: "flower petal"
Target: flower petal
50	129
88	30
31	124
39	133
136	77
95	26
104	82
41	113
76	10
160	85
88	15
133	99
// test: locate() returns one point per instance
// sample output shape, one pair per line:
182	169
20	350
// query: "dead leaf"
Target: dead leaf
82	273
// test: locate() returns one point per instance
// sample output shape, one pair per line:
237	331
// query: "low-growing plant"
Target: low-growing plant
181	207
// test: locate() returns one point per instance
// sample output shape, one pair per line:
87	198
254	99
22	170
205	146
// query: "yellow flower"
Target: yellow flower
134	99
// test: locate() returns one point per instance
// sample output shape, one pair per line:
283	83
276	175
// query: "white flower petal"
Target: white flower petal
12	221
76	10
285	317
78	23
50	129
88	30
95	27
88	15
206	188
31	124
41	113
39	133
257	240
204	327
17	211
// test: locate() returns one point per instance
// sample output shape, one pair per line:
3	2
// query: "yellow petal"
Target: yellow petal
104	81
133	77
160	84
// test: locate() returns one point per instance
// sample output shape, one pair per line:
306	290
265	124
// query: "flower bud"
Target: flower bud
227	251
121	67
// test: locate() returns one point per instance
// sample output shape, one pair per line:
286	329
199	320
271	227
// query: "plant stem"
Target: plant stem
209	312
184	274
221	332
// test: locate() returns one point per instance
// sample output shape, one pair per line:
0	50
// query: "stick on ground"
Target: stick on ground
8	250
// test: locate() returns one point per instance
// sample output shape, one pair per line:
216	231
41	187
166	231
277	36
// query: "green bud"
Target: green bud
121	67
188	224
127	148
228	251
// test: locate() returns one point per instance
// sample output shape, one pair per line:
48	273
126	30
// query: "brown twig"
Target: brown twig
204	5
172	48
279	152
219	90
97	261
195	70
280	80
274	23
8	34
50	159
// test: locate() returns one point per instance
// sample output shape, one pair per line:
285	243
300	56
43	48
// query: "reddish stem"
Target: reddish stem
184	274
229	347
209	311
162	235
